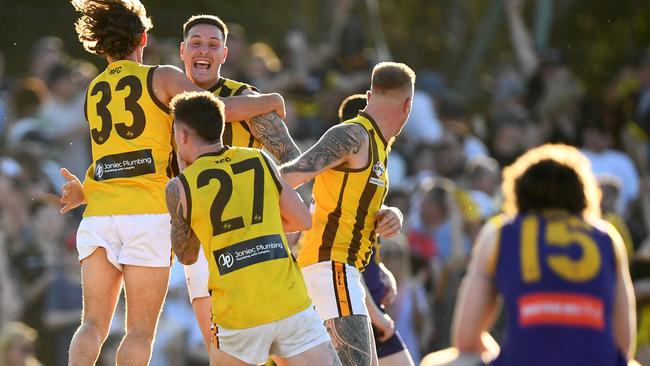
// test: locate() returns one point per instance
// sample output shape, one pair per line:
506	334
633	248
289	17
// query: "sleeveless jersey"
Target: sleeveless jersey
344	204
233	207
557	276
235	133
131	139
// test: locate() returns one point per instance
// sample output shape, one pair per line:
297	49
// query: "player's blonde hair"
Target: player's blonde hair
389	76
552	176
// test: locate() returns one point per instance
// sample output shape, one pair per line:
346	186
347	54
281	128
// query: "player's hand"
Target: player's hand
389	222
72	192
385	327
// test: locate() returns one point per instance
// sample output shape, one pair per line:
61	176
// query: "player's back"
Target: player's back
131	134
344	204
557	275
233	207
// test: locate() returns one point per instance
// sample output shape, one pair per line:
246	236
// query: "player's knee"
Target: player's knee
140	336
94	329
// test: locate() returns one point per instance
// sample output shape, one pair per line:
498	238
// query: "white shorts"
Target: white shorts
335	289
138	240
196	277
285	338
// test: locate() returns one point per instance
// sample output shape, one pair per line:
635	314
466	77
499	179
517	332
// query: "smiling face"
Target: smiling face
203	52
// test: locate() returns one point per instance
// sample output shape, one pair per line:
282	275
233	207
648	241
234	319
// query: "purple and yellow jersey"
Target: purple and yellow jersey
557	275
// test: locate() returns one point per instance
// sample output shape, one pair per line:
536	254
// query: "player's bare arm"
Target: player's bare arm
184	241
169	81
350	337
273	133
336	148
271	130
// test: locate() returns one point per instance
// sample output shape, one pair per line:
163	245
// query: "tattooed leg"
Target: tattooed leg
352	339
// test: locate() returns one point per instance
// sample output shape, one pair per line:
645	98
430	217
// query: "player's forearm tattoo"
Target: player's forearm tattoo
337	143
351	339
184	242
272	132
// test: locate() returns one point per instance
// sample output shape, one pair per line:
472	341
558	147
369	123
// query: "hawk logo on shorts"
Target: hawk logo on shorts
226	260
99	170
379	169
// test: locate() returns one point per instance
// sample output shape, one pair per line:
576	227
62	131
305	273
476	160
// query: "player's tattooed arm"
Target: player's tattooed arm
351	338
333	149
272	132
184	241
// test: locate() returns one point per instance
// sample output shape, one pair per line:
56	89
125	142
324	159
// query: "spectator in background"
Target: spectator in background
66	124
610	186
17	345
423	124
440	246
450	156
62	308
483	175
46	52
597	147
238	54
26	100
410	310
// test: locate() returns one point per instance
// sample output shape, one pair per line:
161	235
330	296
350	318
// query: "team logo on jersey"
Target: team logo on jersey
379	169
226	260
99	170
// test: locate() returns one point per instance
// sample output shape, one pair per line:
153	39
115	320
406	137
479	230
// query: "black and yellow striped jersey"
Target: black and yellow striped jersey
236	133
344	205
131	139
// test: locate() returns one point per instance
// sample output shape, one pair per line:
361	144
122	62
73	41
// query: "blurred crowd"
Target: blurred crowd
445	172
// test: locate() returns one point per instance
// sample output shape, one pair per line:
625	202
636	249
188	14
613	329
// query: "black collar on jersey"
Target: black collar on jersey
374	124
218	85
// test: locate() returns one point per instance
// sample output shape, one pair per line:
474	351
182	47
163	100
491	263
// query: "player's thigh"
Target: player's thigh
322	354
221	358
101	283
146	288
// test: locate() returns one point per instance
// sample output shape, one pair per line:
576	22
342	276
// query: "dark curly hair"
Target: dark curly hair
111	27
201	111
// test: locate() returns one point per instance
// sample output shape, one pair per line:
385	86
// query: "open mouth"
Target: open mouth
201	64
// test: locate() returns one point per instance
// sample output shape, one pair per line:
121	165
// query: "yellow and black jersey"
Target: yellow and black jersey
235	133
131	139
344	205
233	208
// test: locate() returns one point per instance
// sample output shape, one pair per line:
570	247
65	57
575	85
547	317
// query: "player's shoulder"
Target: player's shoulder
353	129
